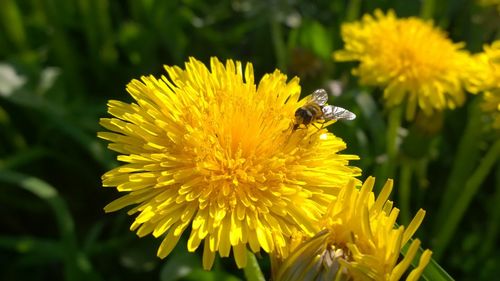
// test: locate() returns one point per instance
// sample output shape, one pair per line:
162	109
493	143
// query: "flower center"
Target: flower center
331	262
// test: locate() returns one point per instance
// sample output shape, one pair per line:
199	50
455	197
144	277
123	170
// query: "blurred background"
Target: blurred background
60	61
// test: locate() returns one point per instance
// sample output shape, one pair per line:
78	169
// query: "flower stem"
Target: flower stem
387	169
278	43
491	235
252	270
395	118
353	9
405	191
465	196
13	23
427	9
466	159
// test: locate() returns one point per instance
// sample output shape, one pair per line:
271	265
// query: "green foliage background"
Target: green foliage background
60	61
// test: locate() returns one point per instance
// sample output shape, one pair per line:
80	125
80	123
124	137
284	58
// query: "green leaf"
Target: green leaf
200	274
48	249
77	266
179	265
23	157
252	270
433	271
316	37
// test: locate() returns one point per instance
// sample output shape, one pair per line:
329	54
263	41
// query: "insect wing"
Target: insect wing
331	112
320	97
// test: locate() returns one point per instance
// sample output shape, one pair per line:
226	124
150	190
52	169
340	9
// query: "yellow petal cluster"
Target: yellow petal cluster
209	151
413	61
491	104
490	3
359	241
486	78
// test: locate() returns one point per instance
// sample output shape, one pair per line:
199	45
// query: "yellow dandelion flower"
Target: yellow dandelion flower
210	150
491	105
487	3
491	97
484	69
358	241
413	60
485	77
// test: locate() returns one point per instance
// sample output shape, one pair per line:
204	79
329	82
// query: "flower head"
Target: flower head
487	3
414	61
358	241
491	105
210	150
485	77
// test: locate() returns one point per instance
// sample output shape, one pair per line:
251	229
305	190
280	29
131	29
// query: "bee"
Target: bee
316	110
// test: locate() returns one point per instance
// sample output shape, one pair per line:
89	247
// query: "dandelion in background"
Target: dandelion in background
491	104
486	74
210	151
415	62
487	3
358	241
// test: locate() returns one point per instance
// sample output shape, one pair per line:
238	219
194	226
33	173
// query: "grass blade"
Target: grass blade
77	267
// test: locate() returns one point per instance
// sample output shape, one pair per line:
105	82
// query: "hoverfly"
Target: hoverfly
316	110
